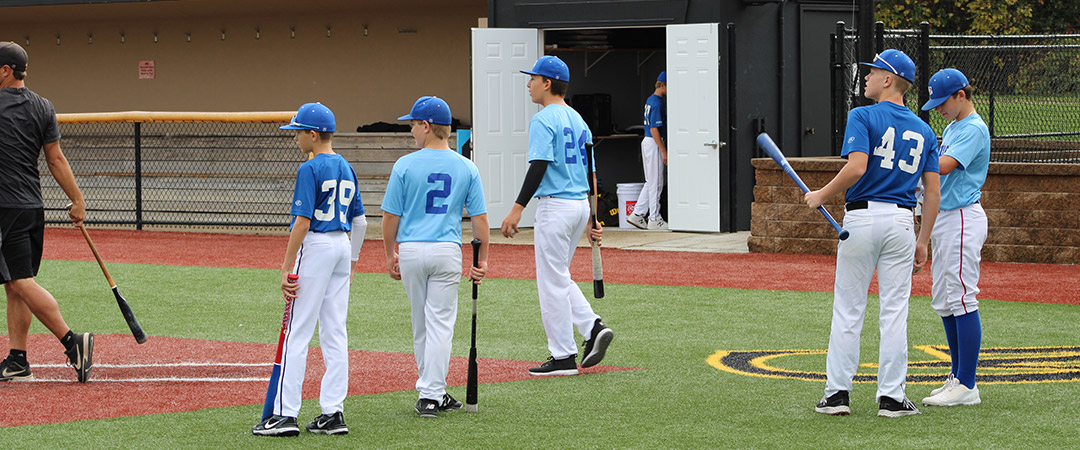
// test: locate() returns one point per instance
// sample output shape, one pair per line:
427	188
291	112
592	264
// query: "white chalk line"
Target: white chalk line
156	379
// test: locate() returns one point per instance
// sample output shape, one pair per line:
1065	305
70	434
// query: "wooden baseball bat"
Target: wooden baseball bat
471	389
125	309
597	262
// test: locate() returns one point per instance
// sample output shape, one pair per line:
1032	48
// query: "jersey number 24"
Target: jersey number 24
888	155
574	147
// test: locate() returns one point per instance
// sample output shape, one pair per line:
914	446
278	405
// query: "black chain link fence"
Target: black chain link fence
1027	88
205	174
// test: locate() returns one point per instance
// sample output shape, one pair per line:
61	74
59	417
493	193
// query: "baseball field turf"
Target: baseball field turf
676	392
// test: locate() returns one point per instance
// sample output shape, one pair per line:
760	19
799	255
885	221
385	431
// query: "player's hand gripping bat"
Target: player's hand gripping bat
597	263
471	384
766	143
275	372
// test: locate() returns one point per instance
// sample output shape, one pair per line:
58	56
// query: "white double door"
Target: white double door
502	110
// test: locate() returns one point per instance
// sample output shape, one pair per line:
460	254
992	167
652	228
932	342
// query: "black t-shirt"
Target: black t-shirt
27	122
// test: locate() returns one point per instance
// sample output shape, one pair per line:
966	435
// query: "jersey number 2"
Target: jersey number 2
341	190
434	194
887	154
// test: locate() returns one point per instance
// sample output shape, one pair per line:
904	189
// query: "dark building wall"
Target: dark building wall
769	76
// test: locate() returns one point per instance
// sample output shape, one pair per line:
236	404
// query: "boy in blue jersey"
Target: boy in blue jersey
422	236
558	176
653	160
325	210
959	233
888	149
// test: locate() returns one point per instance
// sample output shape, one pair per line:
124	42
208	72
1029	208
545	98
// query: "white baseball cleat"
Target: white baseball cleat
657	225
637	221
950	381
955	395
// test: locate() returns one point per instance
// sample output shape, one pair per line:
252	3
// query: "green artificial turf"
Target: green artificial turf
676	399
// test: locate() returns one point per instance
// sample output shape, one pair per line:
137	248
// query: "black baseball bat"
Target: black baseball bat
767	144
125	309
597	263
471	384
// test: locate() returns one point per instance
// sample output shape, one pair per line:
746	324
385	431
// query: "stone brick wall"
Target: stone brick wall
1033	210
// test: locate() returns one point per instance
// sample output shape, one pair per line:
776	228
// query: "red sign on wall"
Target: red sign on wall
146	70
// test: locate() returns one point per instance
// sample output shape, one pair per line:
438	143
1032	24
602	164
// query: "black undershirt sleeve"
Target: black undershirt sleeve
536	172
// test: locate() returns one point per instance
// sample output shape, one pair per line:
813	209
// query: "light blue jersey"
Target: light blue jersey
655	113
901	147
326	193
558	134
428	189
968	142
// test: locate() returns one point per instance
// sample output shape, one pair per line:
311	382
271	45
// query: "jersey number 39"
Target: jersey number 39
343	192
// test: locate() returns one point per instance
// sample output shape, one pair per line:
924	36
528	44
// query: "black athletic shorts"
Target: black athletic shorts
22	232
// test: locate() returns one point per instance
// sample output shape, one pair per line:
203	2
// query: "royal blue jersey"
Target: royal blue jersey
326	193
428	189
558	134
968	142
655	113
900	147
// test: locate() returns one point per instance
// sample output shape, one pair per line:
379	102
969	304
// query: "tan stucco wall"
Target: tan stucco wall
362	78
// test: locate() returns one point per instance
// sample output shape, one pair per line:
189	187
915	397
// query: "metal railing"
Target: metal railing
209	169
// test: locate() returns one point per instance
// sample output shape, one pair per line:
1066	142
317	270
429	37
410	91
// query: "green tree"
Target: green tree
997	17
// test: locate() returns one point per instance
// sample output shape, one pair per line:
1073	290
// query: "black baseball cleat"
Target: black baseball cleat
328	424
427	408
597	344
449	404
888	407
565	366
277	426
835	405
80	355
13	371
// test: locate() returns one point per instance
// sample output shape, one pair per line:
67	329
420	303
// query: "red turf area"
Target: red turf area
1048	283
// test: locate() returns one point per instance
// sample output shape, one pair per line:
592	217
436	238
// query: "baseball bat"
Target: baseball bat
471	384
275	372
125	309
766	143
597	263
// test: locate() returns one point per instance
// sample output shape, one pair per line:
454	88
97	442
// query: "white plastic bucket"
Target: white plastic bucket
628	195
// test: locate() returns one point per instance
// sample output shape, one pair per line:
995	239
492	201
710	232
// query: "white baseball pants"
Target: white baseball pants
323	266
882	237
956	242
557	229
649	199
431	273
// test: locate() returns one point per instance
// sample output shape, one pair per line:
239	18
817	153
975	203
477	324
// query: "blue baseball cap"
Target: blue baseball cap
551	67
313	116
663	77
894	61
429	109
943	85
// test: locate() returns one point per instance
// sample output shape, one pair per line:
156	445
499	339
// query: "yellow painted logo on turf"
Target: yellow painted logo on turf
996	365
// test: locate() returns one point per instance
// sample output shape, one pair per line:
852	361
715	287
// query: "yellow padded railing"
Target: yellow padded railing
166	116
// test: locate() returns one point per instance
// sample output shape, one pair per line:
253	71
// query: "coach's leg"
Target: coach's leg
40	303
894	287
855	258
333	336
18	319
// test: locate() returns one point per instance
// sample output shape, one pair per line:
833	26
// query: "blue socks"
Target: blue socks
964	334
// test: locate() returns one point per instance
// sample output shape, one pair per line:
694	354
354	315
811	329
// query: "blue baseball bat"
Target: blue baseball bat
766	143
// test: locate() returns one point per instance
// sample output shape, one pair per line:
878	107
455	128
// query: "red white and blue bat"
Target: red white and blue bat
766	143
275	373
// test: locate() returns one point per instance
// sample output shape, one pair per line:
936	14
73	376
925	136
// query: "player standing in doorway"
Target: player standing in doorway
557	176
27	126
959	233
653	159
422	237
325	210
888	148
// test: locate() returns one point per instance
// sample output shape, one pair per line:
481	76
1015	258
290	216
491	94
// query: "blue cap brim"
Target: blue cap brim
887	69
934	103
406	117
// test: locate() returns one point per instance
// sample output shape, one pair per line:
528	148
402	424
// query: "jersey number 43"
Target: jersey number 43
888	155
